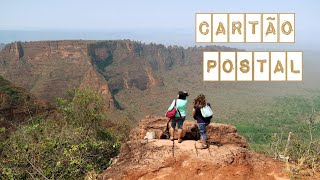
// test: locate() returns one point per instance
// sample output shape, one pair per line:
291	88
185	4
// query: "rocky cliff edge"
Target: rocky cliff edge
227	157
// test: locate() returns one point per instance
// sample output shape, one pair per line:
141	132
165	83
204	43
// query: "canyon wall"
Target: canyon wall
48	69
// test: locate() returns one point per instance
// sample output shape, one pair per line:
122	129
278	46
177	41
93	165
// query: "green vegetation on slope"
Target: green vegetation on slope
289	130
15	94
65	146
288	114
17	106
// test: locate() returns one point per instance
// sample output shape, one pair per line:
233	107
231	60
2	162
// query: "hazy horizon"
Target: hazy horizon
166	22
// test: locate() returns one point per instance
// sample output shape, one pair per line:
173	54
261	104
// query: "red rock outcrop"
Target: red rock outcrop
165	159
216	132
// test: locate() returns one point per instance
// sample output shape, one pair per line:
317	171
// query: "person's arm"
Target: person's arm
171	106
193	112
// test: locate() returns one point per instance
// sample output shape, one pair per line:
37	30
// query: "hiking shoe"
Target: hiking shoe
179	140
171	138
203	146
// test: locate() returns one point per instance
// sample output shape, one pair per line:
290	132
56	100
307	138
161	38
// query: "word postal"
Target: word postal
252	66
249	28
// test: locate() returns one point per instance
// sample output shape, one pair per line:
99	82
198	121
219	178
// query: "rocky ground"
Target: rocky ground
226	158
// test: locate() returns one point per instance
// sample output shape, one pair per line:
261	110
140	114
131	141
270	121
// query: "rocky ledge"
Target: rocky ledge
226	158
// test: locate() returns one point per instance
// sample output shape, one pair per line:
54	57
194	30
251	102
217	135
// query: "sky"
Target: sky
146	17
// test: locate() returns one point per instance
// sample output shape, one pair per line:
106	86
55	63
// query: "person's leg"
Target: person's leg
180	135
202	130
180	131
173	126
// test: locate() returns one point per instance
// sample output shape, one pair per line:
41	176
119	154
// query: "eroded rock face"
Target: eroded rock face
48	69
95	81
124	64
216	132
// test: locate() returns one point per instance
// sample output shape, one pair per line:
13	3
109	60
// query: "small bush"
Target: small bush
85	109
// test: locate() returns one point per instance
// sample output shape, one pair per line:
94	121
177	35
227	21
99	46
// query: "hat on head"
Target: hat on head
183	93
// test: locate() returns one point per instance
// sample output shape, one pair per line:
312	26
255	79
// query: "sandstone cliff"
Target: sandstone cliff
48	69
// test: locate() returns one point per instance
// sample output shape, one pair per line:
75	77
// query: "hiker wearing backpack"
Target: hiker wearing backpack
202	112
177	114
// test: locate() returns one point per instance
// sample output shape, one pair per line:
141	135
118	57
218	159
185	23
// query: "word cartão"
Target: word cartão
245	28
253	66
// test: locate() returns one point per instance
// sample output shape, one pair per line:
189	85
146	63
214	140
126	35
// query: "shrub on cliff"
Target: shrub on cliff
15	95
65	147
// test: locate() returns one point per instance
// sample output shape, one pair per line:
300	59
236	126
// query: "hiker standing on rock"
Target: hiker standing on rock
202	112
179	105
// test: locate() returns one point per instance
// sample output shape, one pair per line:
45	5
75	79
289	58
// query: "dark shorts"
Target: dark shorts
177	120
